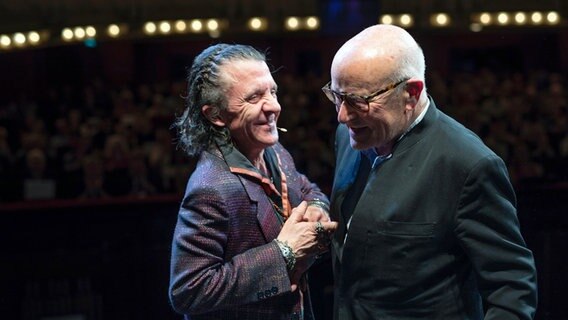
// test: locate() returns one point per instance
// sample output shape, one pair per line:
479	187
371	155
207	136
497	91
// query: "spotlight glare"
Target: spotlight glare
255	23
405	20
113	30
386	19
441	20
212	25
33	37
503	18
485	18
553	17
90	31
67	34
475	27
312	23
5	41
180	26
292	23
196	25
536	17
19	39
520	17
165	27
79	32
214	33
150	28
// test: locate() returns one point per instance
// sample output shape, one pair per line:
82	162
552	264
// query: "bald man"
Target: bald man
428	225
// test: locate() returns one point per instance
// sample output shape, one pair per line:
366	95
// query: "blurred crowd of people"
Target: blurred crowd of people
101	142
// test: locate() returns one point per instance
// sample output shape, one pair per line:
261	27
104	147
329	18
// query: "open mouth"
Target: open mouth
356	131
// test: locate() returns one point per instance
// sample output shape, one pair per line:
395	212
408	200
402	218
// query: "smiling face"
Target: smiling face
252	106
386	117
379	57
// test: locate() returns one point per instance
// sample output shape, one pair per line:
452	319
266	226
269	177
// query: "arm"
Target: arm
201	279
488	230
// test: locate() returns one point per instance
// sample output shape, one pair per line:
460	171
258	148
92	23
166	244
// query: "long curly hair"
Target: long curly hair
205	86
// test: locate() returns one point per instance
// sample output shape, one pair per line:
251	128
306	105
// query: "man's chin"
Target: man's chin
272	140
357	145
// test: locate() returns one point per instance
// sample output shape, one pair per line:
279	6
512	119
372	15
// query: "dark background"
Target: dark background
108	258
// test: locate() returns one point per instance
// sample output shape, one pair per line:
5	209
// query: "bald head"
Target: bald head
379	53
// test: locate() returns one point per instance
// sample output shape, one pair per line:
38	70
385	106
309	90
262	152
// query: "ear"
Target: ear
214	118
414	88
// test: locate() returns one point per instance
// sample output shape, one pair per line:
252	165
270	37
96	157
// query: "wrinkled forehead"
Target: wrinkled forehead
247	75
235	71
360	67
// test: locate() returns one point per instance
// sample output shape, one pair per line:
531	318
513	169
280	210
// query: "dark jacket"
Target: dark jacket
434	234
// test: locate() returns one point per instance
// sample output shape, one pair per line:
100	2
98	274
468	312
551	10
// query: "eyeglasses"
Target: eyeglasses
356	102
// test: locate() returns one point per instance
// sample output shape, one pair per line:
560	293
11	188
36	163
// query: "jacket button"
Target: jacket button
274	290
260	295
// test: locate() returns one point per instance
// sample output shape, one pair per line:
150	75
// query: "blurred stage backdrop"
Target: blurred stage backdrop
90	179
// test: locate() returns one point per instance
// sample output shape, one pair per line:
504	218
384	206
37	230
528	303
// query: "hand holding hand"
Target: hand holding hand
306	238
315	213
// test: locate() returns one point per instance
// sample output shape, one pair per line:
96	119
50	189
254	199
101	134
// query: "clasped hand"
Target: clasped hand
307	231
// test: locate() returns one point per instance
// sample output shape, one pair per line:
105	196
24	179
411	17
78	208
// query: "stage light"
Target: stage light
406	20
440	19
553	17
114	30
475	27
503	18
485	18
19	39
90	31
180	26
312	23
214	33
5	41
292	23
387	19
257	24
165	27
33	37
520	18
196	25
150	28
79	33
67	34
212	25
536	17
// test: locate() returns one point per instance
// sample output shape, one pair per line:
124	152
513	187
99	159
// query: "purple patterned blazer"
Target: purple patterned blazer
224	263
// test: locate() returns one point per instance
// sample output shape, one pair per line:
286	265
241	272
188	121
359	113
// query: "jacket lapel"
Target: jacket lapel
348	162
257	187
265	214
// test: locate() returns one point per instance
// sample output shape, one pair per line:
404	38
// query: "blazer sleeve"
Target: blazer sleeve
201	280
488	230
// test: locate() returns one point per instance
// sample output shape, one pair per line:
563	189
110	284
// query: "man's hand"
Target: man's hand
306	237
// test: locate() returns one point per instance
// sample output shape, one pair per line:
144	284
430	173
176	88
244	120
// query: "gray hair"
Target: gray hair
205	86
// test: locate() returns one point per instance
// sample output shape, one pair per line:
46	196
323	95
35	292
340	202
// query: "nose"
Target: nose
343	113
271	105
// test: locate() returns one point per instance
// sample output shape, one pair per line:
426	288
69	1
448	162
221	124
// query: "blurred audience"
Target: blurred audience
101	142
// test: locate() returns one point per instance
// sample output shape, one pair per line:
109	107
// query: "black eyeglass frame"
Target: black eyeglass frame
349	97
